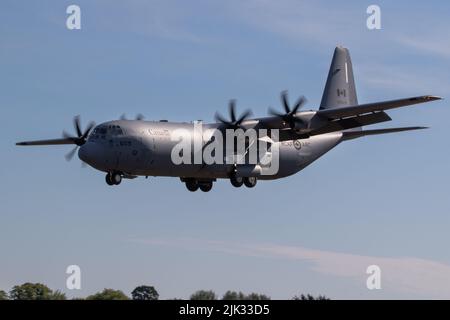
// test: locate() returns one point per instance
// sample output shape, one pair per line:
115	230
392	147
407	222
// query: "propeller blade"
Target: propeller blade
123	117
232	109
88	129
219	118
289	117
140	116
300	102
284	100
244	116
67	136
234	122
70	155
275	113
70	137
76	124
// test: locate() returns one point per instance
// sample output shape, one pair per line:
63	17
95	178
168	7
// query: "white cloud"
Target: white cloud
403	79
405	275
430	44
324	24
305	22
158	19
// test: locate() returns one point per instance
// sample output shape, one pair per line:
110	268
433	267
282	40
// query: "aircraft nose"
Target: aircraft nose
85	153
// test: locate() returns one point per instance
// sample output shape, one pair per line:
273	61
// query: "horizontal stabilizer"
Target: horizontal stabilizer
357	134
343	112
352	122
336	125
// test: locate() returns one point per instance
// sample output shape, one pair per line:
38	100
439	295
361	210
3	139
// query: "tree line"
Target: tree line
39	291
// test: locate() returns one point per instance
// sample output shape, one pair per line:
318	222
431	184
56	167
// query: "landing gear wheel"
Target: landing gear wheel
206	186
192	185
116	178
108	180
236	181
250	182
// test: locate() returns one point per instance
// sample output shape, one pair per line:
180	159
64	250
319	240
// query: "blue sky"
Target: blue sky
377	200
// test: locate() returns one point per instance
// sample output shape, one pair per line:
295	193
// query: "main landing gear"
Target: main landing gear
113	178
194	184
250	182
237	182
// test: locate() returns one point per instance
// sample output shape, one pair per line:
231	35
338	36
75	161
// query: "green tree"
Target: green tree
108	294
58	295
310	297
35	291
145	293
204	295
233	295
256	296
3	295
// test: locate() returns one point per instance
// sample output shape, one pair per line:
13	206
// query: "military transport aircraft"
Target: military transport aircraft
131	148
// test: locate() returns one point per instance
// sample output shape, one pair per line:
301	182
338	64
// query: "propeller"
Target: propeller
234	123
289	115
80	137
139	116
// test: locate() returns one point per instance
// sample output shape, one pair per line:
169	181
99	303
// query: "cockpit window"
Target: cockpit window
110	130
100	130
115	130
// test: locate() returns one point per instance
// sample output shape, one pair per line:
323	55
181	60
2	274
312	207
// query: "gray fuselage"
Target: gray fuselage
143	148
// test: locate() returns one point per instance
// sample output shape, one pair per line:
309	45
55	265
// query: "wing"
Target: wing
373	107
351	122
46	142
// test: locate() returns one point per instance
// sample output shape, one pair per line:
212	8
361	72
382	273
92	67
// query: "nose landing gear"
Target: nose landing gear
113	178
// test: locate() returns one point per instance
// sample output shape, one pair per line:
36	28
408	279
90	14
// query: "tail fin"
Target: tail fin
340	88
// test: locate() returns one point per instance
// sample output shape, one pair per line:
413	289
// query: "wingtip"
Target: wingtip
417	128
432	98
